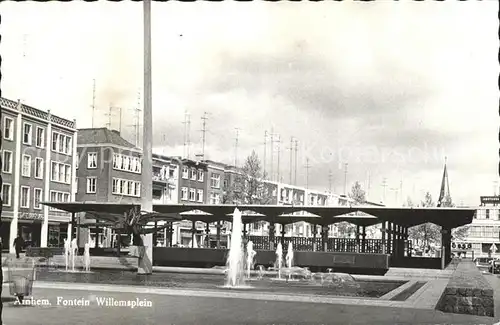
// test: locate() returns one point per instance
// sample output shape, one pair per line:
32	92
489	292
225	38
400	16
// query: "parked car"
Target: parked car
494	266
483	262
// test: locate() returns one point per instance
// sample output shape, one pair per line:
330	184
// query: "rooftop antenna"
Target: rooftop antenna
272	154
307	166
203	133
109	114
296	150
291	159
93	103
138	118
384	185
264	160
278	141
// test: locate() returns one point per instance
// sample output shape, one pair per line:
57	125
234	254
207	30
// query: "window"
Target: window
185	172
92	160
200	175
184	193
25	197
226	183
61	143
215	181
40	137
193	174
60	172
91	185
56	196
7	162
130	188
37	198
67	174
6	194
27	134
126	187
192	194
487	213
126	163
26	172
8	129
38	167
199	196
214	198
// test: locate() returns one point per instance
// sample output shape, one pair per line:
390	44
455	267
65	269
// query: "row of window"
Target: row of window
126	187
26	200
126	163
191	194
60	172
61	143
193	174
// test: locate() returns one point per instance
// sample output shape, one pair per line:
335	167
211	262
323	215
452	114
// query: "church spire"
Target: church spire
444	194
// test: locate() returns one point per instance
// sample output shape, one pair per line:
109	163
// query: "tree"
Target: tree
460	233
427	233
248	186
358	195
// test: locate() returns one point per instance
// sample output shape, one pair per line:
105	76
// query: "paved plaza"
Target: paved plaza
167	308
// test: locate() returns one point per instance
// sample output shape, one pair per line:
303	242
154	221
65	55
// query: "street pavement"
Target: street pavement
166	309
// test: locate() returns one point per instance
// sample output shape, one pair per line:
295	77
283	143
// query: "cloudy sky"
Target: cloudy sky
388	88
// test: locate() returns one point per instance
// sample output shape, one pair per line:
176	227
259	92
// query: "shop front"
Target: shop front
29	226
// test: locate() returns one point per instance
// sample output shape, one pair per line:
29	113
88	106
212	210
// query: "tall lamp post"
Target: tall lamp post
145	263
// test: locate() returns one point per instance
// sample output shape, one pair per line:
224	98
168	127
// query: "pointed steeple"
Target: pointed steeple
444	194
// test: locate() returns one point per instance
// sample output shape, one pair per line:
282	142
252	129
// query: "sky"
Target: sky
388	88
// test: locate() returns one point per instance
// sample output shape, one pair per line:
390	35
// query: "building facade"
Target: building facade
109	170
39	162
483	234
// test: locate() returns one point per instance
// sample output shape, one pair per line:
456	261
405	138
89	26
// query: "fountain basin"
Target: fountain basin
365	288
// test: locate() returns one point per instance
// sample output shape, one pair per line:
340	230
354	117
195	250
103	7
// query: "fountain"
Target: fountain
235	261
73	253
86	257
289	259
250	257
66	253
279	259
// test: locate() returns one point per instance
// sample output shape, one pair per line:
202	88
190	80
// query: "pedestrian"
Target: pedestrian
18	244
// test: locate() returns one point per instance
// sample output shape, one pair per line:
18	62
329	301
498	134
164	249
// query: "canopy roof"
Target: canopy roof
321	215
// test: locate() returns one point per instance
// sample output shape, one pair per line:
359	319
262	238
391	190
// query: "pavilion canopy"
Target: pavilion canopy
321	215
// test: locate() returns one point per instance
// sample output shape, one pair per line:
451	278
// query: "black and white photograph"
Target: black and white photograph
250	162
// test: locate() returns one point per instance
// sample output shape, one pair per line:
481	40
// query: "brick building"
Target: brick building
39	161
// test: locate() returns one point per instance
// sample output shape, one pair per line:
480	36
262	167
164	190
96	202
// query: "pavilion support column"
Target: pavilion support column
245	230
444	239
358	235
272	233
171	234
97	233
118	241
314	231
207	237
155	234
408	245
193	232
324	238
390	245
217	236
282	234
384	239
363	239
395	231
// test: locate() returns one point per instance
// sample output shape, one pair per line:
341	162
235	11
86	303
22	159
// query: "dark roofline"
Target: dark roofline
38	113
